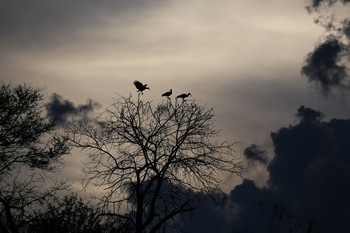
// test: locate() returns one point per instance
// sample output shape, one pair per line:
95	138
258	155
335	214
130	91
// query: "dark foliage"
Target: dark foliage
29	146
73	215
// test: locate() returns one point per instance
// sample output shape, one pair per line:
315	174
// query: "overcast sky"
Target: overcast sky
256	62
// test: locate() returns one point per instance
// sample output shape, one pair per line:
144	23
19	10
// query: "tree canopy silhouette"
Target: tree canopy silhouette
152	160
28	146
73	214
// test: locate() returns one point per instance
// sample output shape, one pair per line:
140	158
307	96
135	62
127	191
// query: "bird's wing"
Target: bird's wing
138	84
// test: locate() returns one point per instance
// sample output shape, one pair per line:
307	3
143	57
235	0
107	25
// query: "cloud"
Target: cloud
55	23
316	4
310	170
309	184
346	28
328	65
61	109
254	153
322	66
209	216
310	173
308	114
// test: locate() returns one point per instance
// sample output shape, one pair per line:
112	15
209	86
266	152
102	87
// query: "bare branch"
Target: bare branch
154	160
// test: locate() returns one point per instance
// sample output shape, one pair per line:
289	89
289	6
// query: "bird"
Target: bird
140	87
168	93
183	96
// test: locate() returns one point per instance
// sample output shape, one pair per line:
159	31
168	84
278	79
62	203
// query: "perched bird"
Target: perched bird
183	96
140	87
168	93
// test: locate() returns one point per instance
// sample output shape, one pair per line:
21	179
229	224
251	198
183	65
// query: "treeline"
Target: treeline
151	161
31	150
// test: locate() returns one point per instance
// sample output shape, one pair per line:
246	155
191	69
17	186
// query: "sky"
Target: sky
275	71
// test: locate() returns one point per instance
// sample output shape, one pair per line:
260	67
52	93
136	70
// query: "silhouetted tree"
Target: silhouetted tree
151	161
72	215
28	146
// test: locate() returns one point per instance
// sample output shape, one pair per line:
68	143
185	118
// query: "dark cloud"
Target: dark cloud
245	198
309	115
322	66
309	184
254	153
311	169
61	109
316	4
327	66
310	173
208	216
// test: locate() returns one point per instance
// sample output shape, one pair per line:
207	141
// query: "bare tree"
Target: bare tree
28	146
151	161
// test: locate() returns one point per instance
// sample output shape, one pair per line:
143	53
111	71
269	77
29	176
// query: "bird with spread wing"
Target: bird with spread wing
140	87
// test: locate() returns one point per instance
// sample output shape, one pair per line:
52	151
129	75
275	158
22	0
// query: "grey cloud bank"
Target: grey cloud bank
308	188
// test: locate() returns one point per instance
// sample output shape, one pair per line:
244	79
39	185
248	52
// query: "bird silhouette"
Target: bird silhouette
183	96
140	87
168	93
